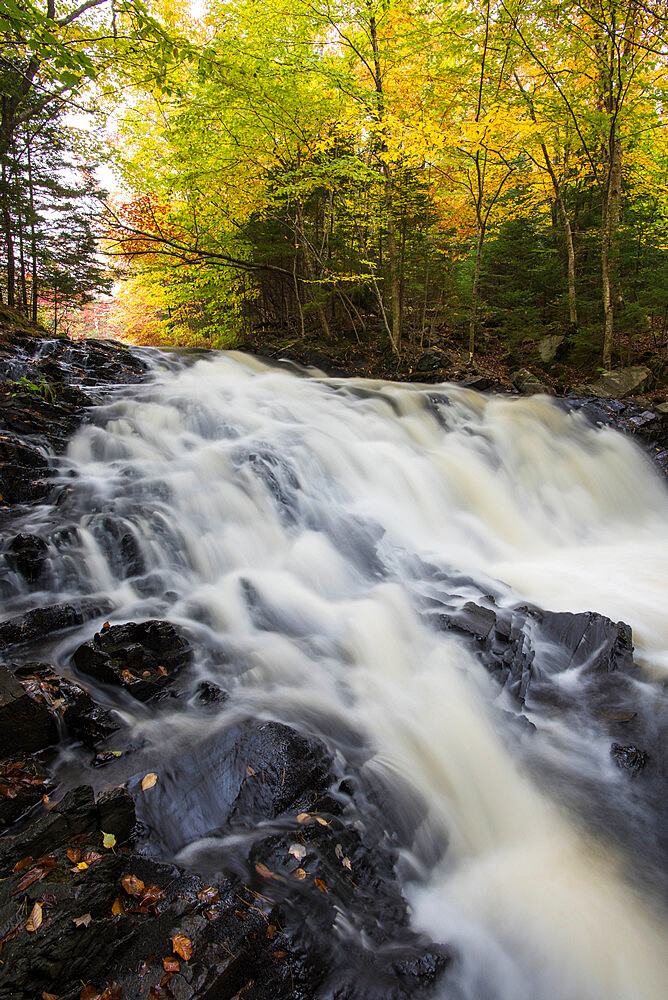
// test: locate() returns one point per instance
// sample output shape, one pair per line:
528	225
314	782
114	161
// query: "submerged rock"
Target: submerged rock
143	657
629	758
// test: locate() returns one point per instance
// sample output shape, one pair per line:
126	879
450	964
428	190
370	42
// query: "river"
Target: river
304	529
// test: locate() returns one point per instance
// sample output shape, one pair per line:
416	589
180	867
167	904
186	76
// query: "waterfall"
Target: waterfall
307	531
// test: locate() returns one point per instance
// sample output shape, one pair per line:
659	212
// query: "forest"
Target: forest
392	174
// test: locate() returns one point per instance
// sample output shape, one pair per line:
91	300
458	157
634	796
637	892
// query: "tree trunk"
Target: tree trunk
474	294
9	243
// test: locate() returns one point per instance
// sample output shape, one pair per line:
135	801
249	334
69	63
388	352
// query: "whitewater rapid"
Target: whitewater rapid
295	524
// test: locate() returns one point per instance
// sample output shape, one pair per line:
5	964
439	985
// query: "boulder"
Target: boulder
143	657
41	622
549	347
71	706
432	359
27	555
527	383
26	724
618	384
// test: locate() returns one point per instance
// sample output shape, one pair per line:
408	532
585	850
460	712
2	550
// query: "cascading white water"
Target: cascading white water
296	523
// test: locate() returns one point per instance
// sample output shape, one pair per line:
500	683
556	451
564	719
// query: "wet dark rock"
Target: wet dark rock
23	471
27	554
75	814
432	359
41	622
648	427
70	705
116	813
143	657
26	725
23	783
247	773
210	694
629	758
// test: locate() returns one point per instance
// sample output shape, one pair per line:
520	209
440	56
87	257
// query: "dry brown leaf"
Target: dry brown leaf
208	894
127	676
162	670
91	856
48	996
323	822
34	921
319	884
82	921
303	817
165	979
263	870
171	964
280	954
145	965
212	913
300	874
149	780
23	863
182	946
118	907
250	771
146	673
132	885
271	930
89	993
112	992
42	867
74	854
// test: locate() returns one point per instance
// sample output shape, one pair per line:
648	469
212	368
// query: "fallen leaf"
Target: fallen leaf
91	856
271	930
212	913
108	840
303	817
132	885
280	954
82	921
323	822
149	780
112	992
298	851
319	884
162	670
208	894
82	866
171	964
618	716
263	870
346	864
42	867
250	771
145	965
182	946
48	996
35	919
116	753
127	676
146	673
23	863
89	993
106	625
151	895
300	874
338	850
118	907
74	854
165	979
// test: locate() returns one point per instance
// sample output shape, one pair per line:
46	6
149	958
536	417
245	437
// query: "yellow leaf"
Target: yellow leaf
82	866
118	907
149	780
35	919
182	946
108	839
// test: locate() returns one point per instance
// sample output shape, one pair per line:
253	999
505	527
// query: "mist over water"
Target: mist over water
301	528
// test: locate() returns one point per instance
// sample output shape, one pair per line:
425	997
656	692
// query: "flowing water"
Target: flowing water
300	528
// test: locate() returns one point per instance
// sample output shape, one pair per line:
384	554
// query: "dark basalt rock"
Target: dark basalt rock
72	707
649	427
143	657
629	758
75	814
23	471
116	813
26	725
211	694
27	554
23	783
45	621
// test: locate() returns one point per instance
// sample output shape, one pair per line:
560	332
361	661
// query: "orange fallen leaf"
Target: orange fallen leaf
48	996
171	964
280	954
182	946
74	854
118	907
127	676
149	780
300	874
271	930
303	817
132	885
89	993
263	870
319	884
208	894
112	992
23	863
106	625
35	919
323	822
162	670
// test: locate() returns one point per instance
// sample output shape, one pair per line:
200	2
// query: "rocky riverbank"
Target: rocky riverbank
92	903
